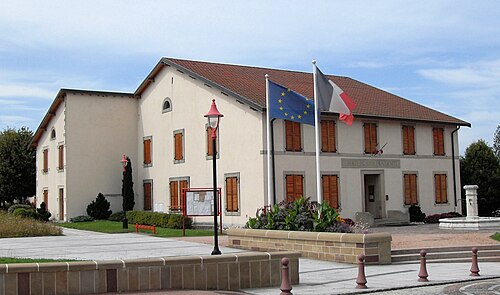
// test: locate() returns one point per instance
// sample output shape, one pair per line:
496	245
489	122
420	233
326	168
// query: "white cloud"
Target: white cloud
481	73
9	91
14	121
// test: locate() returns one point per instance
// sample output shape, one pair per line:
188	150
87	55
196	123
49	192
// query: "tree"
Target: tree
496	142
99	209
128	188
481	167
17	166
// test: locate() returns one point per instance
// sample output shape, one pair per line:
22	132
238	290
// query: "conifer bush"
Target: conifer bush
99	209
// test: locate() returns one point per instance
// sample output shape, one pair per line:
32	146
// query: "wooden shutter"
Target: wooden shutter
45	160
182	185
46	198
232	194
209	142
61	203
330	190
410	189
174	195
147	195
293	136
440	188
294	187
61	157
147	151
328	136
370	130
438	137
178	148
408	140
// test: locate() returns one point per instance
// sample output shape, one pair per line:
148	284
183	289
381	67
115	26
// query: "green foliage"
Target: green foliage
496	236
12	226
159	219
434	218
81	218
496	142
25	213
42	213
416	214
17	166
99	209
128	188
15	206
481	167
299	215
117	216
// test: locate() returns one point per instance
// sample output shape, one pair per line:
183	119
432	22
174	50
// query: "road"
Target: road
482	287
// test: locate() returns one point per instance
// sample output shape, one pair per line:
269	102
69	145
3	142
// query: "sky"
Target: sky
441	54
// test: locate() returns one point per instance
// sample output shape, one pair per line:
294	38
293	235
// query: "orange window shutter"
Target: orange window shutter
289	136
183	184
298	187
178	146
45	160
209	141
61	157
147	151
324	136
368	149
297	141
407	189
435	136
411	140
325	179
181	147
229	192
331	137
413	188
444	194
406	148
437	187
147	196
174	197
373	138
289	179
46	199
334	183
441	141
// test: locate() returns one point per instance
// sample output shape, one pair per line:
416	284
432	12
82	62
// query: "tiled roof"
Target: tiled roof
249	83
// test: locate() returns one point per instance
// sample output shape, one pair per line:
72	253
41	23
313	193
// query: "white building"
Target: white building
162	129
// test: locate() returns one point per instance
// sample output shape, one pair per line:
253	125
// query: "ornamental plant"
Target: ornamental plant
300	215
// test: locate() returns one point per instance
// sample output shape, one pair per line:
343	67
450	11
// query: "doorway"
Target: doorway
61	203
374	200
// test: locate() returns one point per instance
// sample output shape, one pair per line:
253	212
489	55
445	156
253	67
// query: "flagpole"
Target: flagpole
319	196
268	131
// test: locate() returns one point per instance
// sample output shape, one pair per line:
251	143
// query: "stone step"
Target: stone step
445	255
446	249
451	260
390	222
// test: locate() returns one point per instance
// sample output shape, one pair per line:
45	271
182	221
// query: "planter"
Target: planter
339	247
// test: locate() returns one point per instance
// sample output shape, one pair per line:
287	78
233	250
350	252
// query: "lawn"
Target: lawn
113	227
496	236
5	260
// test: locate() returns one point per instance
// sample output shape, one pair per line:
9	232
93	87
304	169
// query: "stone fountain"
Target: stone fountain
472	221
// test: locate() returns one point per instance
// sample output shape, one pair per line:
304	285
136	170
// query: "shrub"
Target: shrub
159	219
25	213
416	214
99	209
42	213
496	213
435	217
13	226
117	216
14	207
302	215
81	218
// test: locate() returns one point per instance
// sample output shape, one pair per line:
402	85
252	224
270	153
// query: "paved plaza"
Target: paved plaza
316	277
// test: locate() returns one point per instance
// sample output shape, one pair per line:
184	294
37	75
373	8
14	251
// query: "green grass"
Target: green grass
496	236
113	227
5	260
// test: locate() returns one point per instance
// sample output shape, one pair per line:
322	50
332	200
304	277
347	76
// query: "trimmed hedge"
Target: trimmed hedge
435	217
159	219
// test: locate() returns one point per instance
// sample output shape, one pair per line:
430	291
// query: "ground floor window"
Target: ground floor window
294	186
148	194
176	186
441	192
61	203
330	187
410	189
232	183
46	198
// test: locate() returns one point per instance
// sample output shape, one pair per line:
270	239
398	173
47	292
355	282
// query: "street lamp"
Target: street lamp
214	116
124	162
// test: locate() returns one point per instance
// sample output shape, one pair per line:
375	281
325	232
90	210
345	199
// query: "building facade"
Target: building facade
395	154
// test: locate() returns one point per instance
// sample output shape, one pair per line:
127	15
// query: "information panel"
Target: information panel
199	203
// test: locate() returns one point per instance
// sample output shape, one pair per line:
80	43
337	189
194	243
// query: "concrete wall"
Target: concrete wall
240	140
100	130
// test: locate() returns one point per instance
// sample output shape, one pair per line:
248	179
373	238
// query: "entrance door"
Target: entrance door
61	204
373	201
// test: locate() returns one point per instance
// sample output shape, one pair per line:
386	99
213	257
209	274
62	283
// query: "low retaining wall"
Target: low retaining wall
219	272
339	247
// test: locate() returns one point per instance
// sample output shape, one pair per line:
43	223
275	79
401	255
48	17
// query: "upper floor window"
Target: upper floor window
293	136
60	165
328	136
370	135
53	134
438	138
167	105
45	168
147	147
408	140
179	146
209	132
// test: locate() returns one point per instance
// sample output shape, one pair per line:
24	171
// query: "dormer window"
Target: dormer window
167	105
53	134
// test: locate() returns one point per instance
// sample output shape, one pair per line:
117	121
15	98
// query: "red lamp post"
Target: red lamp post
214	116
124	162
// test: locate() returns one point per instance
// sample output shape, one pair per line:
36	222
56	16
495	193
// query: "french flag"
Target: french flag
332	98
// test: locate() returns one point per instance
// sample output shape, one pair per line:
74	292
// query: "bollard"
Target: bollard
285	277
474	269
361	279
422	274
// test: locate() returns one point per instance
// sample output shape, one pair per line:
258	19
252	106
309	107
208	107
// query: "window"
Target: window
60	166
370	130
440	188
330	187
293	136
53	134
148	194
61	203
408	140
410	189
46	198
147	151
232	192
45	161
179	146
438	141
328	136
176	200
167	105
209	142
294	186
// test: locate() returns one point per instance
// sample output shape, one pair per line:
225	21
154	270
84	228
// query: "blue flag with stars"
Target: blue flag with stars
287	104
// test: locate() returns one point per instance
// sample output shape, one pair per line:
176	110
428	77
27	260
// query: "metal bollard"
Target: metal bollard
422	274
285	277
474	269
361	279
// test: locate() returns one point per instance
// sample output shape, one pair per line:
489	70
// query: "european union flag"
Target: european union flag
287	104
